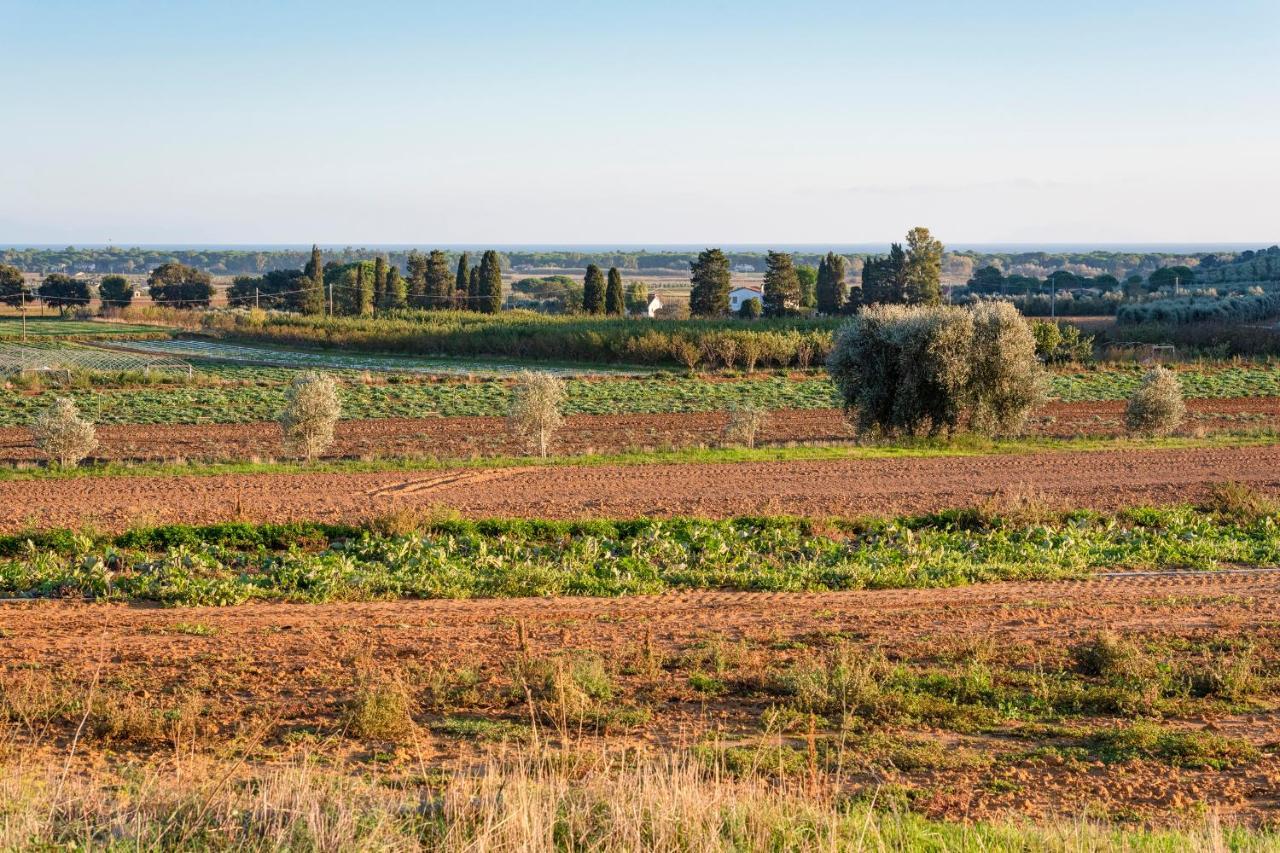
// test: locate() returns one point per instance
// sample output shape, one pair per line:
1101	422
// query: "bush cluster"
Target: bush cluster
914	370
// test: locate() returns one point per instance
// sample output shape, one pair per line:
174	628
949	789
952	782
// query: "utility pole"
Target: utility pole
255	299
330	299
22	291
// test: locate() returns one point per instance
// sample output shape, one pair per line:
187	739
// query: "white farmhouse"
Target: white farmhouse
739	295
651	310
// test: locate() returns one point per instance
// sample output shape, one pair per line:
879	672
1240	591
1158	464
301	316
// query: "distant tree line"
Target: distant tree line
136	260
905	276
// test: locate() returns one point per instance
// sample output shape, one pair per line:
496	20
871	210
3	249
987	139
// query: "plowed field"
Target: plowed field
1096	479
292	666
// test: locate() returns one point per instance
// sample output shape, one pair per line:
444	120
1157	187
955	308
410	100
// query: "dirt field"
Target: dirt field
1096	479
463	437
291	668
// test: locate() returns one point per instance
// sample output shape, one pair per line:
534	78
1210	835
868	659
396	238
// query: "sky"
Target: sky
652	122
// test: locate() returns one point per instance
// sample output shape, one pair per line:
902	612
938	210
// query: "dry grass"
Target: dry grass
526	801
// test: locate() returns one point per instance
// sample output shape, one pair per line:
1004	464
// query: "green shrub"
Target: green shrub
926	369
1156	408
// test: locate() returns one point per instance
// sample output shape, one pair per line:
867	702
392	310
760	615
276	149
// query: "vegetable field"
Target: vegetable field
297	358
228	392
54	327
232	563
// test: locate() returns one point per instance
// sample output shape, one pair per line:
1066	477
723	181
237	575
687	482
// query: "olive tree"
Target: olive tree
1156	408
311	412
743	424
535	408
62	434
930	369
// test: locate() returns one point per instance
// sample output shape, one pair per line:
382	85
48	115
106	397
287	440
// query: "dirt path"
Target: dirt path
1098	479
464	437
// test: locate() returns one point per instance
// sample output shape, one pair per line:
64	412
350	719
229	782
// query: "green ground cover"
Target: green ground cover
248	393
55	327
415	558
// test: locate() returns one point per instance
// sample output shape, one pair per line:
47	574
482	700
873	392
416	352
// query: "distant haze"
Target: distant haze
994	122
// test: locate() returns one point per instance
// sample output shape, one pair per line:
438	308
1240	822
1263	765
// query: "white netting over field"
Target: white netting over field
32	358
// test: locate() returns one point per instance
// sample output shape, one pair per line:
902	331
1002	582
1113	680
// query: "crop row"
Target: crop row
257	394
236	404
296	358
232	563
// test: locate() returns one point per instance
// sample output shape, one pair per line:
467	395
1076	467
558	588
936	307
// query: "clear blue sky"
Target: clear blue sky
639	122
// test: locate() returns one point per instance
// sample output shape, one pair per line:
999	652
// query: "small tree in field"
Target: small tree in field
535	408
930	369
743	424
1156	408
311	411
62	434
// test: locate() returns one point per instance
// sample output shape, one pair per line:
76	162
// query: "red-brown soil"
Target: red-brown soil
287	670
466	437
848	487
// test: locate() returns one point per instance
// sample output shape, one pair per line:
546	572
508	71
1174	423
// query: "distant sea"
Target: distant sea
845	248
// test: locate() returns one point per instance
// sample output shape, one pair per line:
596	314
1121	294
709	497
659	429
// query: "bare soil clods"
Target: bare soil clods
293	665
832	488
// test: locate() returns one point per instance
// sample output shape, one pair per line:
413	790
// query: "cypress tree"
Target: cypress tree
831	287
439	280
781	285
416	289
894	285
593	291
613	301
379	282
709	284
364	290
490	284
397	295
462	284
312	301
473	289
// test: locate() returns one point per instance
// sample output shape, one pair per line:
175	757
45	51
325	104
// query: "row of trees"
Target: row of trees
905	276
601	295
363	287
62	291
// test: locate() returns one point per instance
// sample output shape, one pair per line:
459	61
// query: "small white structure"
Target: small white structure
655	304
739	295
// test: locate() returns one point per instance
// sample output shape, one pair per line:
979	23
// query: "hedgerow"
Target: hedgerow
527	335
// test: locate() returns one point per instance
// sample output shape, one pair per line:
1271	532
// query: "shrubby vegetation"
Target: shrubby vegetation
1202	309
906	370
535	408
1061	342
786	342
62	435
311	412
1156	408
